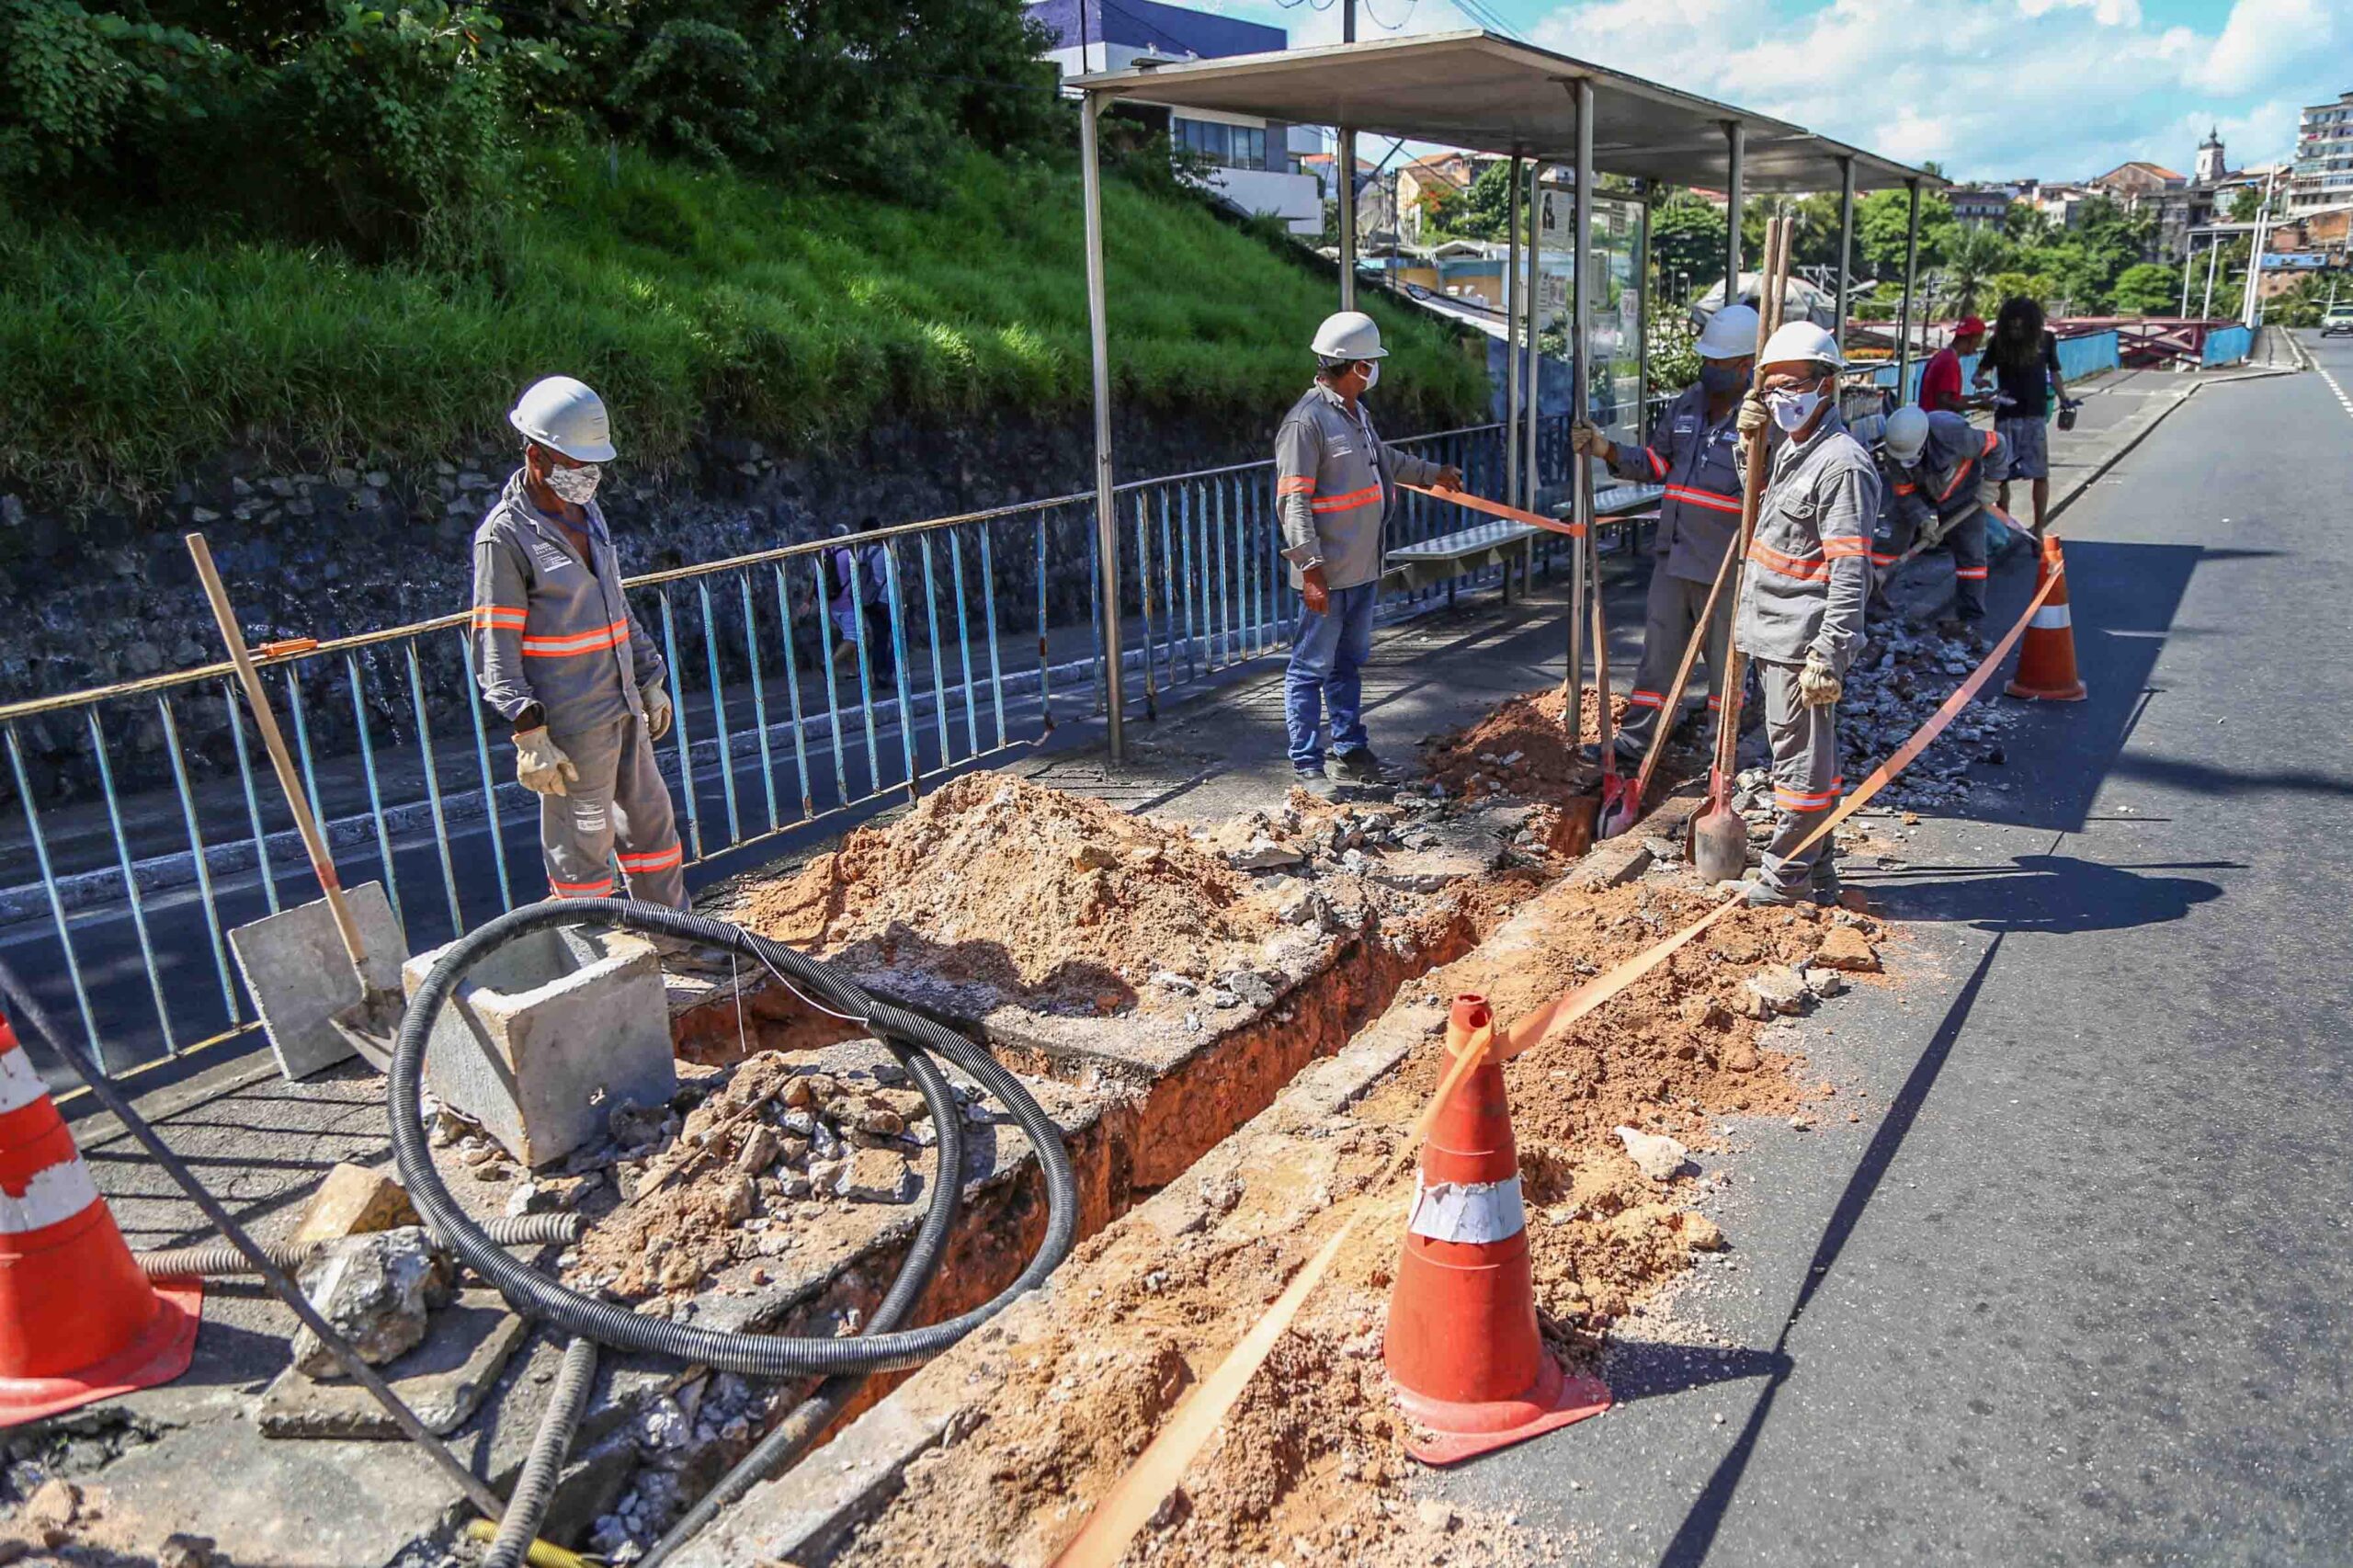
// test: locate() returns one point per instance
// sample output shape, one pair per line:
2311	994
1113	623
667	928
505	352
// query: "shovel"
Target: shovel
1618	806
308	1005
1720	834
1578	811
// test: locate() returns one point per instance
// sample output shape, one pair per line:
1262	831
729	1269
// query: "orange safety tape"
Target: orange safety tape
1566	1010
1497	509
1138	1495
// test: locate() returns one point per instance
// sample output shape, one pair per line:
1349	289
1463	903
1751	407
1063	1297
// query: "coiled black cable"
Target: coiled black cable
535	1488
753	1354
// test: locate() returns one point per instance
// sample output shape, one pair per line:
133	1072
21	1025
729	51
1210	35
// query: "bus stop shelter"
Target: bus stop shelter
1483	93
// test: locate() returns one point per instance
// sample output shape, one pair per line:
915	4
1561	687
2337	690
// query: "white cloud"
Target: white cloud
2262	38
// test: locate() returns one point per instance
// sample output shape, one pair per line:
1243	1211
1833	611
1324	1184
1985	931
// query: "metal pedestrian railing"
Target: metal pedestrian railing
148	834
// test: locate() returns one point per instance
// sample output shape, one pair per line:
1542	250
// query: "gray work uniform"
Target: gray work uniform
1938	500
1699	461
554	629
1334	482
1802	593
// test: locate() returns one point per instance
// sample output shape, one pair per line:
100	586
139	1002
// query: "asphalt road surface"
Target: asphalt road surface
2079	1285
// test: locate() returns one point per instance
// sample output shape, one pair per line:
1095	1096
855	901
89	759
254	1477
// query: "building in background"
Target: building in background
2130	184
2323	176
1979	206
1253	163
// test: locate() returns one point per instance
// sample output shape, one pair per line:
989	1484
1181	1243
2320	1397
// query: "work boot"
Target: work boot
1756	892
1356	766
1825	887
1317	783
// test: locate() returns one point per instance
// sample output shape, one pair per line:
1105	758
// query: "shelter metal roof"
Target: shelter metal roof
1496	95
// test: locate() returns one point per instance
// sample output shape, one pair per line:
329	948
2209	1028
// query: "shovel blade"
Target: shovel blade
1573	836
1618	811
300	975
368	1025
1720	844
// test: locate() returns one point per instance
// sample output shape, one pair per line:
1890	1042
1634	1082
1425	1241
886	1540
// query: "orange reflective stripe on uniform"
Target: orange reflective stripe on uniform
499	618
1958	475
1970	573
1658	463
1905	489
1692	496
1365	497
652	860
1879	559
603	887
1800	800
579	643
1991	436
1646	700
1772	560
1838	549
1298	484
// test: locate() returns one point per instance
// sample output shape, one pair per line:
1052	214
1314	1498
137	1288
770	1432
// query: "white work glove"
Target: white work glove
656	697
1754	415
1585	439
1818	684
541	765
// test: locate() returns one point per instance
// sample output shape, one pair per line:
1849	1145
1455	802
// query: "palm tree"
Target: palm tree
1971	261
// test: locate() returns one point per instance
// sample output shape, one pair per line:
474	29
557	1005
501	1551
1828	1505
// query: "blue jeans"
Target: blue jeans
1327	658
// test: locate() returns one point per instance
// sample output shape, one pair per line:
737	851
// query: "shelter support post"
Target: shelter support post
1528	319
1106	528
1736	142
1911	279
1581	386
2188	254
1839	273
1344	168
1515	205
2213	254
1642	315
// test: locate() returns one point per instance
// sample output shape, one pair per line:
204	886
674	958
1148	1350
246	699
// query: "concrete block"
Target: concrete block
443	1379
300	974
546	1034
353	1201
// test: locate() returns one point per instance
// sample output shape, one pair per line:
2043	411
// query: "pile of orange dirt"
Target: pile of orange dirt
1043	895
1310	1466
1521	749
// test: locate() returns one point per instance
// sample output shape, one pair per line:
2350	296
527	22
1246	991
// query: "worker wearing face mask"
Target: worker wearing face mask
1336	481
1695	451
1802	593
562	659
1936	467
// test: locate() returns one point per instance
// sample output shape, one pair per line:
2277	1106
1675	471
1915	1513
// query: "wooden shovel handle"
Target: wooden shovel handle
288	780
1771	297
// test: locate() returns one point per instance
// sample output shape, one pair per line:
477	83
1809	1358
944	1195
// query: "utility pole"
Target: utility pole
1347	21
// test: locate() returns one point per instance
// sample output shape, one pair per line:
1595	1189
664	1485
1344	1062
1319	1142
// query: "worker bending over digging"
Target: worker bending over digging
1935	467
564	660
1334	482
1801	594
1695	451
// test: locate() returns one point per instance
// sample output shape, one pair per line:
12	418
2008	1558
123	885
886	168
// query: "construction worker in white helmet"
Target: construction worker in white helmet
563	658
1336	481
1801	594
1695	451
1936	467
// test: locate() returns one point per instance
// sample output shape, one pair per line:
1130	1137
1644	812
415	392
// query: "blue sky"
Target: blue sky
1992	89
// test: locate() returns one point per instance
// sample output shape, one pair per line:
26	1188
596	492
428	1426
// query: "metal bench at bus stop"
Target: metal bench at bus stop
1449	558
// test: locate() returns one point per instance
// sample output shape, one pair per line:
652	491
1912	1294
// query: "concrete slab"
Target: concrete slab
547	1035
466	1345
300	973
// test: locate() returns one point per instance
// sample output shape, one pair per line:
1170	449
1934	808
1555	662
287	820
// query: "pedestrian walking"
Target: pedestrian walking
1695	451
1336	481
560	656
1940	377
857	581
2023	362
1935	468
1801	595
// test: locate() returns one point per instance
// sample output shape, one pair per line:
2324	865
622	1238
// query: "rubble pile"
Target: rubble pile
1902	676
1521	749
1047	897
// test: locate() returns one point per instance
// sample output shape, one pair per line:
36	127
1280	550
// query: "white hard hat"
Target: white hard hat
1349	335
1907	433
564	416
1731	333
1801	340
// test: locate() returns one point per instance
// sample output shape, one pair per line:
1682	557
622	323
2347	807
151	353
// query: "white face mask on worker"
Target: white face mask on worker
1792	409
1372	376
577	485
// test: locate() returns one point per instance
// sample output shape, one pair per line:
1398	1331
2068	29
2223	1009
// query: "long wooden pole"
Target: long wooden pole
1752	499
288	780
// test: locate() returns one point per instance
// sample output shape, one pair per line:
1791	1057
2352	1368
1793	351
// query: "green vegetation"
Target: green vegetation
302	226
689	297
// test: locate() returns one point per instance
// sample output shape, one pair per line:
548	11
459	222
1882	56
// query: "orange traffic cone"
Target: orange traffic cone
1462	1344
2047	660
78	1321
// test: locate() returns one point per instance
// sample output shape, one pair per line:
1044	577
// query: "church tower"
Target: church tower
2210	166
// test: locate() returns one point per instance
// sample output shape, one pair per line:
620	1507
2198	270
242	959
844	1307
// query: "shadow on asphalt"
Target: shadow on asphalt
1696	1534
2055	893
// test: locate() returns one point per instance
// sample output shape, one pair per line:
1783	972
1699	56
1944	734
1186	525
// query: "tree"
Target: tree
1972	258
1486	209
1686	242
1881	220
2146	289
2245	202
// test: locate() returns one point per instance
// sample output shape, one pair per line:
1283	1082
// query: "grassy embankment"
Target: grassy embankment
693	301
